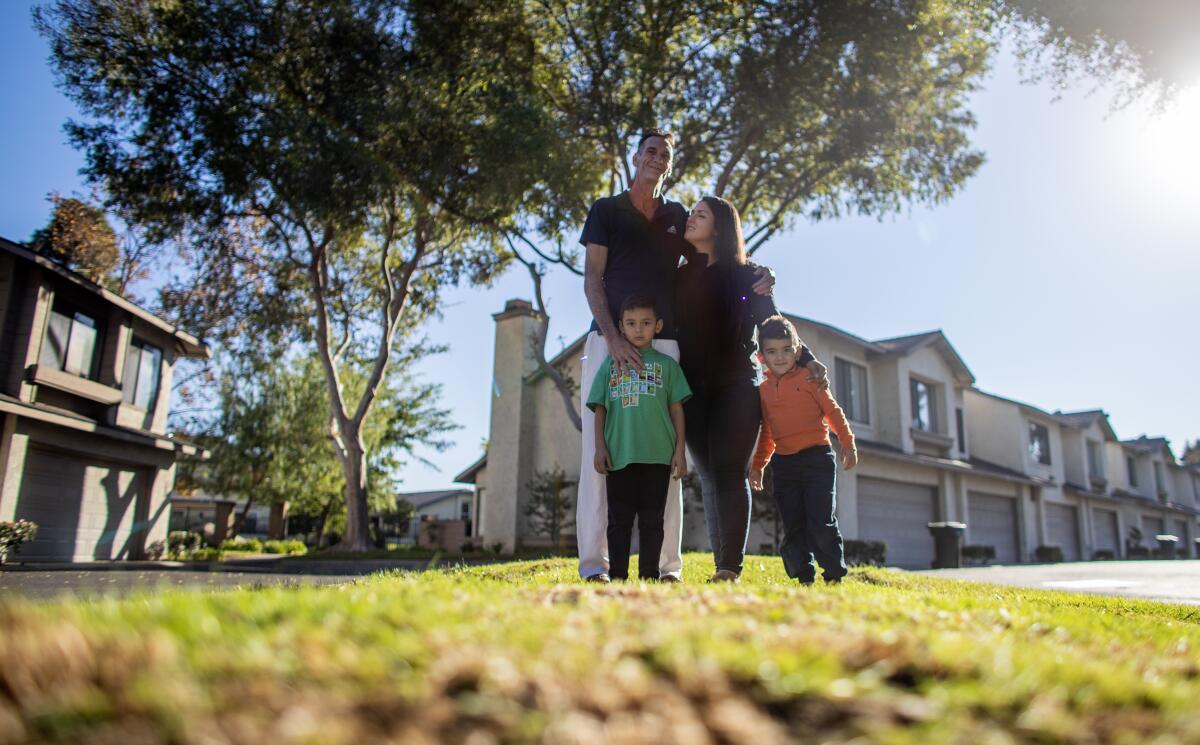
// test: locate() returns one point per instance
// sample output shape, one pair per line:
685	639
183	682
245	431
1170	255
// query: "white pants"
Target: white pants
591	519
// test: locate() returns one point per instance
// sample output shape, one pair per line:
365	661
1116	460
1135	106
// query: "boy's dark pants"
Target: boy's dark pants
805	484
637	490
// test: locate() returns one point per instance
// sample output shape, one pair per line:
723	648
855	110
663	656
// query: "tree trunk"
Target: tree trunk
241	521
358	521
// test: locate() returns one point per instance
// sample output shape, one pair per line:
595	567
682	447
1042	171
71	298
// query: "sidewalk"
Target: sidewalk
1165	581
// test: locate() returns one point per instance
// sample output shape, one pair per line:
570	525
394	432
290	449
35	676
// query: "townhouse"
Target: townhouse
85	385
934	448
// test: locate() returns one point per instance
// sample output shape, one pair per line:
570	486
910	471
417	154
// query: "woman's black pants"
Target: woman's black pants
722	429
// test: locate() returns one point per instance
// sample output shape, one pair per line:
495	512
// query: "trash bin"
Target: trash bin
1166	545
947	544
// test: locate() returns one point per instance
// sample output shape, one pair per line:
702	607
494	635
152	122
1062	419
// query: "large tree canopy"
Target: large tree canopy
333	162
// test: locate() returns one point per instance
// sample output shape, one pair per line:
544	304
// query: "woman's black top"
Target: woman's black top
716	314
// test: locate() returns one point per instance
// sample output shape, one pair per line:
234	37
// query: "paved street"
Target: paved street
40	585
1167	581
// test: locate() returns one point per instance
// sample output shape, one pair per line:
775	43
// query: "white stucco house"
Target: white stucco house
933	447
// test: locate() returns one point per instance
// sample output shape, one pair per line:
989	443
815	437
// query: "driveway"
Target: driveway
1166	581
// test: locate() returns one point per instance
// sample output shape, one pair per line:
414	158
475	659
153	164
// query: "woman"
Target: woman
716	315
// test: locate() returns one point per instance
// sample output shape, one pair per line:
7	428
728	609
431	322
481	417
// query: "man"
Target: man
634	243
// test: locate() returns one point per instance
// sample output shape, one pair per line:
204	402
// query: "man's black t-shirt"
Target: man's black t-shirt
642	254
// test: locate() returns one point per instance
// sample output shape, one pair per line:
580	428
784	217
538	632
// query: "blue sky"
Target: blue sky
1066	273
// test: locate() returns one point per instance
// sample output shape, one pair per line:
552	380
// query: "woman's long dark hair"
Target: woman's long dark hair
730	245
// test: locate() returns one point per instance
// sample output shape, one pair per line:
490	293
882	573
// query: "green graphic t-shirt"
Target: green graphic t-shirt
637	426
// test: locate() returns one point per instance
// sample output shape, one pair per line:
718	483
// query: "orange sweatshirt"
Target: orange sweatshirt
797	415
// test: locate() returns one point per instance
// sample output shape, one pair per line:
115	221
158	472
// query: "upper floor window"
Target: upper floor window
1039	443
1158	477
71	341
962	430
1131	467
924	406
1093	460
143	370
852	390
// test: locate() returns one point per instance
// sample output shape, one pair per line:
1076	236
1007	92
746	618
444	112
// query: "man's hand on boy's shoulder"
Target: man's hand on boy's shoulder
603	461
818	374
624	355
849	458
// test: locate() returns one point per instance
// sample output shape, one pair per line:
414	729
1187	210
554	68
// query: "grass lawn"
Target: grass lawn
522	652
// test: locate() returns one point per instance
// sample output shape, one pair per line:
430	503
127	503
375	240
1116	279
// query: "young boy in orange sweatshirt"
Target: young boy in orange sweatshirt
797	416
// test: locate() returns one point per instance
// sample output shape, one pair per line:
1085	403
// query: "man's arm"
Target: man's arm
623	353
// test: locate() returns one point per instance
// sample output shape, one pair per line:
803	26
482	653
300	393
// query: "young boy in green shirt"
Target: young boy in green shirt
639	439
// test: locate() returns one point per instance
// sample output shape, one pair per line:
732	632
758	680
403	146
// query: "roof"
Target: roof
187	344
1084	419
1029	408
471	472
868	345
422	499
1144	444
903	345
972	466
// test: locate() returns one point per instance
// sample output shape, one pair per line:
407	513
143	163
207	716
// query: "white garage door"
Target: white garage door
84	509
992	521
897	514
1108	537
1062	527
1185	540
1152	526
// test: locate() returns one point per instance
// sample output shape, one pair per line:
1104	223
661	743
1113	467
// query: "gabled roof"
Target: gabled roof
471	472
422	499
868	345
1027	408
1084	419
1150	445
904	345
188	345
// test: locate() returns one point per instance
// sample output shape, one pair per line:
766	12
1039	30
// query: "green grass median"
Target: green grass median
522	652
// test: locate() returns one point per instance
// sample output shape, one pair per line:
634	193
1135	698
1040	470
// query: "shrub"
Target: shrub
1137	552
976	554
155	550
13	534
860	553
1103	554
292	546
1048	554
206	554
181	544
251	545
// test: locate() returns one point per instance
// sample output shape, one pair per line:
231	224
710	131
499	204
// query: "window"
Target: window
1158	477
143	368
1039	443
71	341
852	390
962	431
924	406
1131	467
1093	460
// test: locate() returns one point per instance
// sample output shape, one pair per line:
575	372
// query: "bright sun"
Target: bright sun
1162	153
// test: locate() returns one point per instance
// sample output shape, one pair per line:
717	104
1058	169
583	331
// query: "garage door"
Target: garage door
1108	536
897	514
1185	540
992	521
1152	526
84	509
1062	529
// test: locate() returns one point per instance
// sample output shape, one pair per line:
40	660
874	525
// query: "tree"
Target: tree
271	441
549	508
337	161
790	110
1141	49
1191	453
78	236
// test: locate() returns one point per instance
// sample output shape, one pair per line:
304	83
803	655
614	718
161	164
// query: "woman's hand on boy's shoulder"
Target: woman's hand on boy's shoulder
764	279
